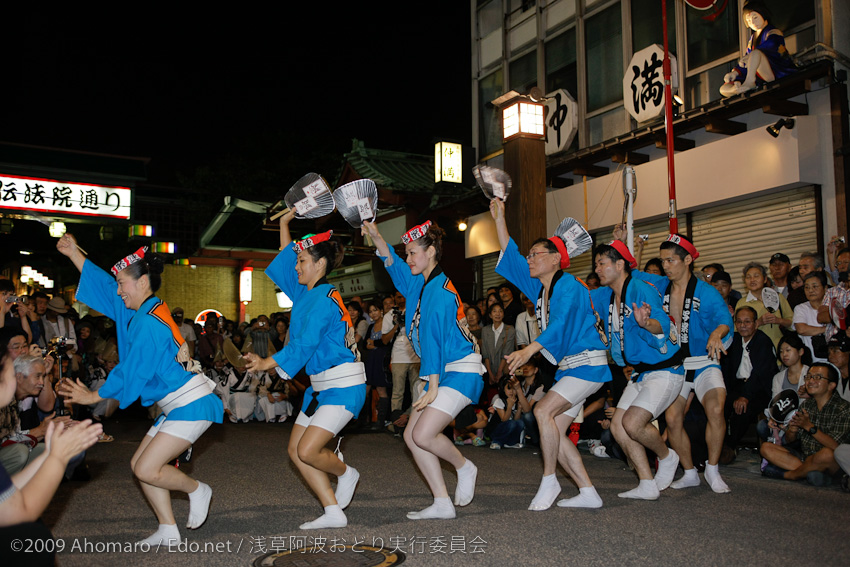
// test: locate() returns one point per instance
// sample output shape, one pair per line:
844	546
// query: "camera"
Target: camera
17	299
58	347
397	318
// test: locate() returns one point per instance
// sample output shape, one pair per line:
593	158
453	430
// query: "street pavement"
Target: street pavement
259	500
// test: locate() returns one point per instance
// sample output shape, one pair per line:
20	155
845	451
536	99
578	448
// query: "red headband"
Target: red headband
621	247
684	243
416	232
312	241
562	250
128	260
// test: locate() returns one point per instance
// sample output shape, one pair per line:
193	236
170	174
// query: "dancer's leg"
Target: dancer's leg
157	477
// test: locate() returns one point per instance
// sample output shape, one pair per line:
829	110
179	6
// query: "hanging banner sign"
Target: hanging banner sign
61	197
561	117
643	84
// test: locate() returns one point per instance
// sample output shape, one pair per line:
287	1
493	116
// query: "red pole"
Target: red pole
668	124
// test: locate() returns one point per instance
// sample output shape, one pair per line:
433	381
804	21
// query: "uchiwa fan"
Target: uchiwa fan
357	201
575	237
495	183
770	298
310	197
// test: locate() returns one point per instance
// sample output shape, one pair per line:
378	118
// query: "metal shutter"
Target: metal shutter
756	228
489	277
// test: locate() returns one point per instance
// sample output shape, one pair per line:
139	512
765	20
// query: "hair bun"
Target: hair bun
156	263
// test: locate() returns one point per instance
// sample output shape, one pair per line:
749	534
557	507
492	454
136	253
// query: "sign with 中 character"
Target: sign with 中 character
643	84
61	197
561	118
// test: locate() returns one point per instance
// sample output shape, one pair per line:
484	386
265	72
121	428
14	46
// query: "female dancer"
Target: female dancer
322	338
148	345
570	339
451	362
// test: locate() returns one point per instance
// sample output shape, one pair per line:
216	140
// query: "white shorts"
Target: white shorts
654	393
575	391
449	401
191	431
707	379
331	418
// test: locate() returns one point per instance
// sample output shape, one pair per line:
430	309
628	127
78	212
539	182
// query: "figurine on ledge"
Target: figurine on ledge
766	58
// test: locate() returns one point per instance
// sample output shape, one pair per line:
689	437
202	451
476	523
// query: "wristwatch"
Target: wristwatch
813	429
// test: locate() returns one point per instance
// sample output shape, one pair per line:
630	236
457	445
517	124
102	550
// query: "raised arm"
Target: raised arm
370	229
67	245
285	236
497	210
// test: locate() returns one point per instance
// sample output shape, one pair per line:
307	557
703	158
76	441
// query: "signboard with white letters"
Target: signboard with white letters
60	197
643	84
561	118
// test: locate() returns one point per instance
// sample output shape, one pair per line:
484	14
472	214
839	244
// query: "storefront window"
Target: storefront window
647	25
490	130
709	40
561	63
489	17
523	73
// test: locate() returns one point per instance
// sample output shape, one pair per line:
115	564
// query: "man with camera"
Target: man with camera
13	309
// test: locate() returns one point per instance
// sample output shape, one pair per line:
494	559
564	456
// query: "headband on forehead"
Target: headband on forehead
416	232
621	247
562	250
312	241
125	262
684	243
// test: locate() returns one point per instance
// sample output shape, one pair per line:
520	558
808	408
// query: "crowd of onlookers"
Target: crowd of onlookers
775	344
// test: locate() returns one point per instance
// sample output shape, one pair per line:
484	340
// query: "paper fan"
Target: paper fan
310	197
770	298
357	201
575	237
495	183
783	406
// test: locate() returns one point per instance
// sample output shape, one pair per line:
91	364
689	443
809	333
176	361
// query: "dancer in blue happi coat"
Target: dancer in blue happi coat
153	367
451	362
321	341
570	338
639	335
704	328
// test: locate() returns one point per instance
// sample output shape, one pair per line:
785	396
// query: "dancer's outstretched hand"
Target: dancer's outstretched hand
254	362
77	392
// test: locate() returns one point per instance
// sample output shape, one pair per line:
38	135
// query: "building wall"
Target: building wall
215	287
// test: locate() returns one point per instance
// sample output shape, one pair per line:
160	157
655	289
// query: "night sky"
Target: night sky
185	88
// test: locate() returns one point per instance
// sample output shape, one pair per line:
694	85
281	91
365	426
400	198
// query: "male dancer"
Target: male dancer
702	321
639	335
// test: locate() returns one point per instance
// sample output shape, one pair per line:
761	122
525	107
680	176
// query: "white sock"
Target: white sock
666	469
712	477
441	509
688	480
586	498
546	494
167	535
646	490
466	476
346	483
333	517
199	506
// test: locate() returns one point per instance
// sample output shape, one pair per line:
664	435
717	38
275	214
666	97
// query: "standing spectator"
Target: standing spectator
512	307
809	262
779	266
376	354
281	329
358	321
404	363
187	330
13	312
57	323
497	341
209	342
654	266
770	323
838	257
722	282
839	355
806	316
39	308
259	339
748	370
527	329
822	424
592	281
709	271
473	319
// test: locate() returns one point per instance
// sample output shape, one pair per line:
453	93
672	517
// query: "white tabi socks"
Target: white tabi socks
199	506
546	494
441	509
466	476
166	536
586	498
666	469
333	517
688	480
712	477
346	483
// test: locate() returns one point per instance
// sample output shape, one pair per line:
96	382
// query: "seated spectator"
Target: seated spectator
530	389
243	394
259	339
769	323
209	342
527	329
806	316
607	446
839	355
273	403
748	369
24	496
104	408
473	319
498	340
223	376
505	407
468	426
822	424
780	266
796	359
